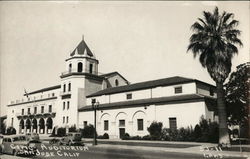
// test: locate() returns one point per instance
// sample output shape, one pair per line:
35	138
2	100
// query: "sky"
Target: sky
142	40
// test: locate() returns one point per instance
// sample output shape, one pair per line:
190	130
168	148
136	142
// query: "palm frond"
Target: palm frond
197	27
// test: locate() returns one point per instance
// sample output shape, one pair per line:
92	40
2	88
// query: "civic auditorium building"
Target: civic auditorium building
123	107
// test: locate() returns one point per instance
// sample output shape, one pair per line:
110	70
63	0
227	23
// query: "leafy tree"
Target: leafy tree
237	94
215	40
88	131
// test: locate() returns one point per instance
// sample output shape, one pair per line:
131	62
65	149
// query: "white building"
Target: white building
123	107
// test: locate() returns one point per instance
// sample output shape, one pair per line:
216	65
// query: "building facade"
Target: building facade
122	107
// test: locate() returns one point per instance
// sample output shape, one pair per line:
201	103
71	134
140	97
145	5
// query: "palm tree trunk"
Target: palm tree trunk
223	129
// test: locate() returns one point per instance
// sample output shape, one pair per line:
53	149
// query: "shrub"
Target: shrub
155	130
126	136
88	131
61	132
72	128
11	131
146	137
104	136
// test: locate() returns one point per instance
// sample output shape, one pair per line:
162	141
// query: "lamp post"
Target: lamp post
95	106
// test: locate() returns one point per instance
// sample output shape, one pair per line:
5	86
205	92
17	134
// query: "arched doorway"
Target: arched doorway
49	124
34	124
21	126
41	126
28	126
79	68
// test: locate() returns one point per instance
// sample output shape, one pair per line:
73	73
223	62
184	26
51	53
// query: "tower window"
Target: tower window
69	87
67	119
91	68
28	110
63	119
70	67
68	105
64	88
22	111
63	105
211	92
79	68
116	82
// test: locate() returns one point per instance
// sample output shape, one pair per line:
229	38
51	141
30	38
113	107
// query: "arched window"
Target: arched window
79	68
69	87
91	68
64	88
116	82
70	67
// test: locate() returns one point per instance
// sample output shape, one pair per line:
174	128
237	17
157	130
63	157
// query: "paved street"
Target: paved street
114	152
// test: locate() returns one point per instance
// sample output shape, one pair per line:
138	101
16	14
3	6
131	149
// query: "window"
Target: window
140	124
53	94
28	110
68	105
211	92
42	109
35	110
64	88
116	82
63	105
63	119
172	123
22	111
12	111
69	87
12	120
79	68
93	101
85	123
129	96
121	122
48	95
67	120
106	125
70	67
50	108
178	89
90	68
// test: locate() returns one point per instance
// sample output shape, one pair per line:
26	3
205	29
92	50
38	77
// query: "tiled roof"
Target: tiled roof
82	48
149	101
143	85
113	73
44	89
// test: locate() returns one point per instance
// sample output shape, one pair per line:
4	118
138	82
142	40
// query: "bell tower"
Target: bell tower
79	79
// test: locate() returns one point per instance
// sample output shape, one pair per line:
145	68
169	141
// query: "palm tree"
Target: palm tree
214	39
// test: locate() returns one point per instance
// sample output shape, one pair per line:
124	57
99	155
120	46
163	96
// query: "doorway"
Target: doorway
121	132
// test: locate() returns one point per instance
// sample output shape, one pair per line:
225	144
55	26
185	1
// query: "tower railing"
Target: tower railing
81	71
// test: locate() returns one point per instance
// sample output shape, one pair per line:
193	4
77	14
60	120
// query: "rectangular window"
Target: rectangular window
106	125
68	105
121	122
67	120
42	109
50	108
93	101
53	94
178	90
22	111
63	105
28	110
140	124
63	119
172	123
35	110
211	92
129	96
85	123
